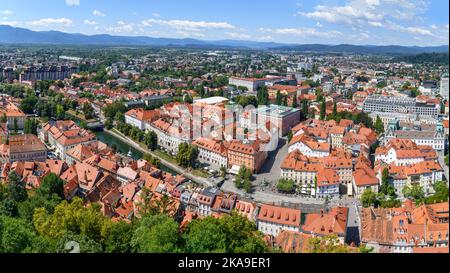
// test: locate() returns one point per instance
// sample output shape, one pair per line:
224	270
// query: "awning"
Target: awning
235	169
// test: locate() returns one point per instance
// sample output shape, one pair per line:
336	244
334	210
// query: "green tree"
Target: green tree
229	234
16	188
384	181
88	111
151	140
60	112
72	218
290	136
223	172
414	192
85	244
156	234
286	185
369	198
335	109
379	126
262	95
323	110
328	244
294	102
304	110
278	98
16	126
119	238
16	236
4	118
187	155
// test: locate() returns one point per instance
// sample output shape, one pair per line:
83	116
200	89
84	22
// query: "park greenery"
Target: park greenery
243	179
187	155
286	186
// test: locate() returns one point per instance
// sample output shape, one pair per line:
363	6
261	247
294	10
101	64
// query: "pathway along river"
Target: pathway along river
123	147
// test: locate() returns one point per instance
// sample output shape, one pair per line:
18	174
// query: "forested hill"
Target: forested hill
435	58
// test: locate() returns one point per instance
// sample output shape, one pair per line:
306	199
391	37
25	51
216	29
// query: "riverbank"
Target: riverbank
257	196
174	167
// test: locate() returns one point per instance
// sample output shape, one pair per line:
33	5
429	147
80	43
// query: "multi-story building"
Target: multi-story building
309	147
22	148
377	103
140	118
429	88
282	117
444	90
252	84
387	118
429	135
64	135
15	118
327	183
364	177
425	174
212	152
409	229
206	200
52	73
404	152
301	170
169	136
272	220
246	153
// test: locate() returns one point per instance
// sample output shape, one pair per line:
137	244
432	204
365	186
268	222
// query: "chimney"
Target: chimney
321	213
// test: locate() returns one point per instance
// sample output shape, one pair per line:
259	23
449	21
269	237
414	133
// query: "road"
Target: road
176	168
265	196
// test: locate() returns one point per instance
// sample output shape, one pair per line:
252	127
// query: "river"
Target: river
124	148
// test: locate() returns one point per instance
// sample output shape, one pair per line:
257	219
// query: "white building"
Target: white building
309	147
211	152
271	220
251	84
444	90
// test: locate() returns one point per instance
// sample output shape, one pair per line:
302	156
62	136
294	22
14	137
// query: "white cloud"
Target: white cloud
98	13
155	14
375	24
10	23
6	12
51	22
121	27
188	25
186	34
89	22
73	2
306	32
362	11
238	36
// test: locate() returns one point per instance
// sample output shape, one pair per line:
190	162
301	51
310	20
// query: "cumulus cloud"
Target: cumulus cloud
89	22
306	32
6	12
121	27
98	13
45	22
73	2
238	36
188	25
390	14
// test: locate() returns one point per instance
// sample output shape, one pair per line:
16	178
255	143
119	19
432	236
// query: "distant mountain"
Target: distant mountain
13	35
435	58
366	49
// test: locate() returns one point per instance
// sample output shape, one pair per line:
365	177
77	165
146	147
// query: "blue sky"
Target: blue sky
377	22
